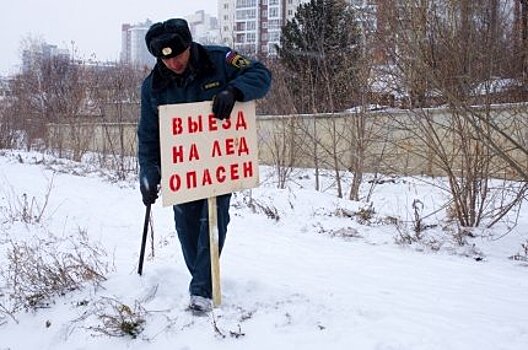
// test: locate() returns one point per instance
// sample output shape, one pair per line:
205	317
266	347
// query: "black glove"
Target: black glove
224	101
148	185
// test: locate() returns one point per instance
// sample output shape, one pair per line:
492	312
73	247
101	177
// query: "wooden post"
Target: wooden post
214	249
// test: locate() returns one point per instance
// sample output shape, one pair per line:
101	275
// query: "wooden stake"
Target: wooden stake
213	248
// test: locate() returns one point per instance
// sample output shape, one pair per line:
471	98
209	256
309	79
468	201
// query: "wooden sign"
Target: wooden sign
203	157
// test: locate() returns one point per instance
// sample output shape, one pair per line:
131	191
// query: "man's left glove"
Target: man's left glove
224	101
148	185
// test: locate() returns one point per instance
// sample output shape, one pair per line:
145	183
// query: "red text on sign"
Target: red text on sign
207	177
199	123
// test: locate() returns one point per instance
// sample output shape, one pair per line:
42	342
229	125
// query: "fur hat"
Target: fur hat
168	39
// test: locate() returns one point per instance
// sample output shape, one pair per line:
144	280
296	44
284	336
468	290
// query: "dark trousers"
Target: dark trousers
192	226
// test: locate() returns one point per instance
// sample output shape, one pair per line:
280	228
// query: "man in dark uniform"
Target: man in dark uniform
186	71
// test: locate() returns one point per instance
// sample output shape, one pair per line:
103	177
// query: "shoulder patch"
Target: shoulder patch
237	60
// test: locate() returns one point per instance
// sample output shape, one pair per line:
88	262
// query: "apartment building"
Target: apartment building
249	26
133	48
254	26
204	28
42	52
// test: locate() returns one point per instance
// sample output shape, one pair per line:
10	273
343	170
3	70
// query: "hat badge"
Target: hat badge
166	51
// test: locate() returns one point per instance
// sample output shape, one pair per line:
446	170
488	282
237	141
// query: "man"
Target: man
186	71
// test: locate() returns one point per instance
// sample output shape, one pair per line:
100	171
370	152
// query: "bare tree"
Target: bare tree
520	38
51	89
7	116
280	136
115	96
450	53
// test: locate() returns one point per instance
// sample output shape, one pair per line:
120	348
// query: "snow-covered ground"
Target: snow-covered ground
306	273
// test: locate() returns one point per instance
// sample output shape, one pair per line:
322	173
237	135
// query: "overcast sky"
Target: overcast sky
93	25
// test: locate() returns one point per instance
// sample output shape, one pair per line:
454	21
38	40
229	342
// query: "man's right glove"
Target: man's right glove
224	102
148	185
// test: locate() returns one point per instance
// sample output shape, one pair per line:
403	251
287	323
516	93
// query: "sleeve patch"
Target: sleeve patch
237	60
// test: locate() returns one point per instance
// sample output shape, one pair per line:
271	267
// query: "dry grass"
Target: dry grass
38	270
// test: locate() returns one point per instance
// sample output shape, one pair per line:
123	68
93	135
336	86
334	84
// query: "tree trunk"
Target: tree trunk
524	40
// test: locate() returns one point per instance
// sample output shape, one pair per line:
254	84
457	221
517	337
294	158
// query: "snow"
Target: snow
496	85
311	279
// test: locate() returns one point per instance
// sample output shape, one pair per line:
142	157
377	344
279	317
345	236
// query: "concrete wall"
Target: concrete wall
398	141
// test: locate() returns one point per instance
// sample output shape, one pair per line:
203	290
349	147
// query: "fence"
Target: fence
380	141
389	141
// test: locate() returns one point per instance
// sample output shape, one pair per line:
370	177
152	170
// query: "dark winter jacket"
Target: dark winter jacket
211	69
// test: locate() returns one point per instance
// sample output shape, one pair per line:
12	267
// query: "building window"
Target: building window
251	25
273	12
246	3
274	24
251	38
245	14
274	36
273	2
